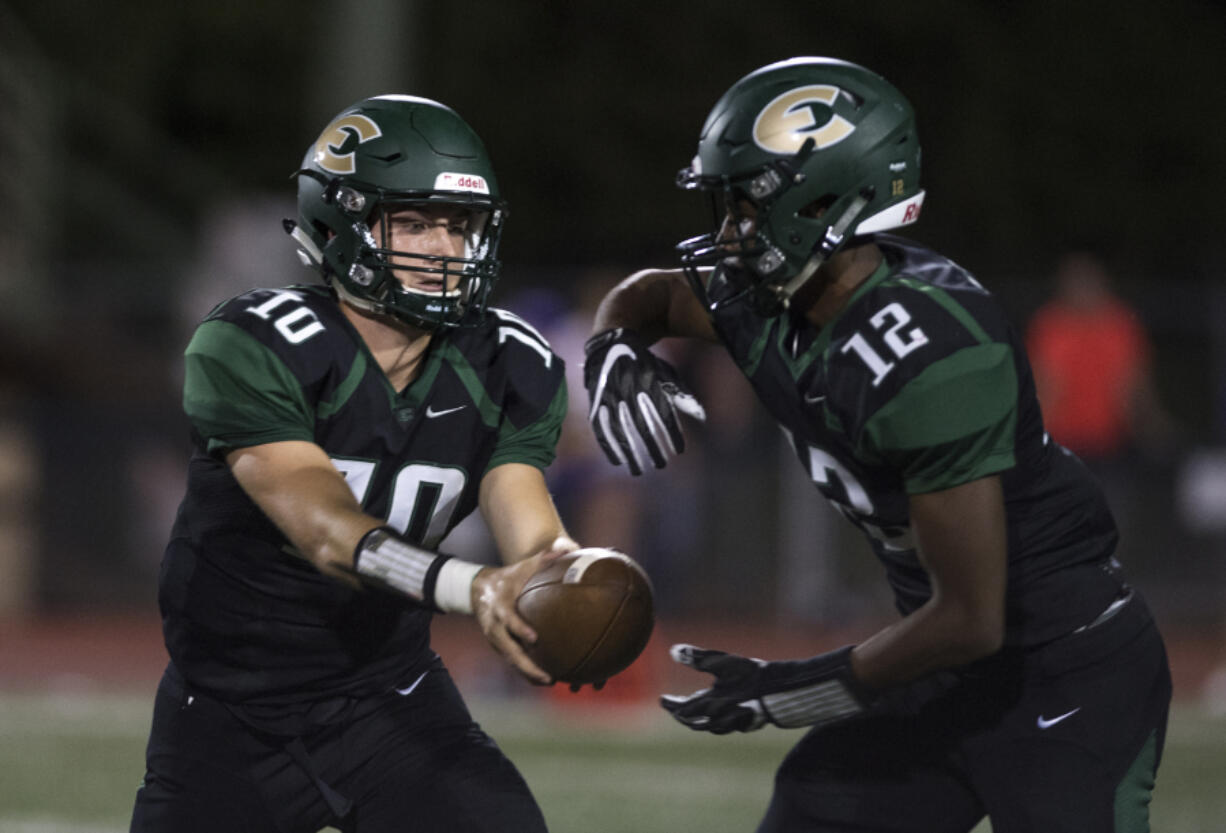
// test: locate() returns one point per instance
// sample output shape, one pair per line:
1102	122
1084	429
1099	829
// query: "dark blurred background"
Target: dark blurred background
146	149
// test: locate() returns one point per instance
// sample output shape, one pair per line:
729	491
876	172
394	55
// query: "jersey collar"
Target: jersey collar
883	271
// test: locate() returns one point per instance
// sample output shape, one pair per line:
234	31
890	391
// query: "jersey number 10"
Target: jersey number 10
424	497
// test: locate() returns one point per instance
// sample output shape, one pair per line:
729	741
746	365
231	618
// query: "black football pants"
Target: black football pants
1065	738
414	762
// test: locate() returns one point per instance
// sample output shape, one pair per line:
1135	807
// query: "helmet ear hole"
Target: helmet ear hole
816	209
321	229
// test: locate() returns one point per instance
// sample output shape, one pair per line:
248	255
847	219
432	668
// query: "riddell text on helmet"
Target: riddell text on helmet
447	181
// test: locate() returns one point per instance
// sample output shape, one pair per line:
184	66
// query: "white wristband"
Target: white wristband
453	588
435	580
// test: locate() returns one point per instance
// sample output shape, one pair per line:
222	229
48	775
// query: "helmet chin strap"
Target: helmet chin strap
309	253
354	301
834	237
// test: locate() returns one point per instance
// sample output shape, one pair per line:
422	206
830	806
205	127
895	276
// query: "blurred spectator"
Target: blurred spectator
1091	359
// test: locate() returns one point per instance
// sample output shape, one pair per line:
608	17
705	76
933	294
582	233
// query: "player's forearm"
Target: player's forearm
325	529
933	638
302	493
639	303
655	304
520	514
961	543
349	545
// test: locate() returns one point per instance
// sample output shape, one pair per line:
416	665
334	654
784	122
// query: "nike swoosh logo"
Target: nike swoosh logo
405	692
813	400
617	351
431	413
1044	723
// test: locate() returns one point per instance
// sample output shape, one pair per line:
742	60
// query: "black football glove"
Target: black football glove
634	397
749	693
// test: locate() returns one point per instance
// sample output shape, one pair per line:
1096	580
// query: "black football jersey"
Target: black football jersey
920	384
245	618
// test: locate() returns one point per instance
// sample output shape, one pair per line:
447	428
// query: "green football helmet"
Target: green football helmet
823	150
385	154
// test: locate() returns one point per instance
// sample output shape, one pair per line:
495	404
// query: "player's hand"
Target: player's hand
494	592
749	693
634	397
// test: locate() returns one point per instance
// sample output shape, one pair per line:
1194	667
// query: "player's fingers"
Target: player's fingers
740	717
596	686
602	428
611	436
663	434
674	702
676	706
631	438
506	614
697	658
525	666
700	723
520	629
726	723
729	669
688	404
560	547
502	626
509	642
718	715
497	590
700	702
511	648
683	653
681	398
671	702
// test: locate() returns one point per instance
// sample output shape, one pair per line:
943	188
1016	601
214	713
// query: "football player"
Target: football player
1025	679
341	431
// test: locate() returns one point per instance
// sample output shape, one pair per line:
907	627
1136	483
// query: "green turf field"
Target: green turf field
70	764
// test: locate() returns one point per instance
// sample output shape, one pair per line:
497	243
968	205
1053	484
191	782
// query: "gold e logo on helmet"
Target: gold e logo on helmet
330	143
800	114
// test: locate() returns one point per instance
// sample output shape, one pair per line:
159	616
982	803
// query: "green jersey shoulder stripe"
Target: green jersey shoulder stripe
952	423
532	444
345	389
232	382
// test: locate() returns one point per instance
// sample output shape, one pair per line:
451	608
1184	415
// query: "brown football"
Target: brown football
592	612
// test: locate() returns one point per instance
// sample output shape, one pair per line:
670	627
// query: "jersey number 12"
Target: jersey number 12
889	321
